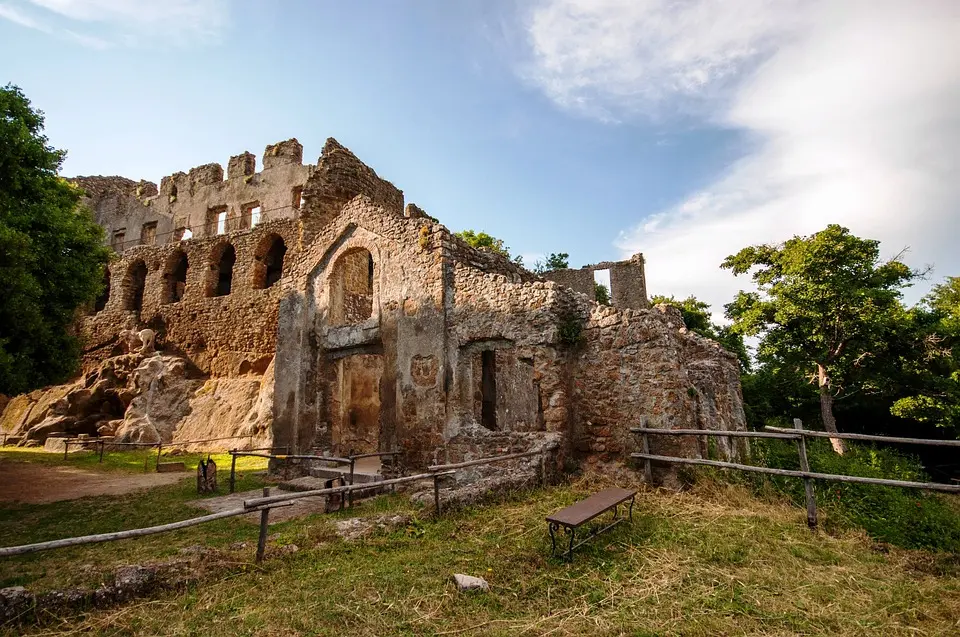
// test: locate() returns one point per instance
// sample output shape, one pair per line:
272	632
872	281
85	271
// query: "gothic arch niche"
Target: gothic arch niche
175	277
220	278
268	261
351	288
134	285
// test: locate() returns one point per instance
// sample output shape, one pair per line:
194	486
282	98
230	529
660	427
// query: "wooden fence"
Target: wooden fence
266	502
799	434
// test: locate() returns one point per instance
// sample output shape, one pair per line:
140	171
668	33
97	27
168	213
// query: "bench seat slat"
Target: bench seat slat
586	510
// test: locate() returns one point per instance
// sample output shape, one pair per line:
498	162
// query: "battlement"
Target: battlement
202	203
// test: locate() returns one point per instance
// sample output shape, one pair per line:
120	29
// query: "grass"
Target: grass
711	560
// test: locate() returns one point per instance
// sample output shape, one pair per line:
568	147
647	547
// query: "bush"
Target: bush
905	517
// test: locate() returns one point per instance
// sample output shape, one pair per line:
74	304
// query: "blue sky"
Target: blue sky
684	130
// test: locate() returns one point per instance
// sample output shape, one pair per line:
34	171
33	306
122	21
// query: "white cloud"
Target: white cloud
15	15
853	109
100	24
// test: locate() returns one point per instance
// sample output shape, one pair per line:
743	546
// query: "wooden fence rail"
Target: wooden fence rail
262	504
799	434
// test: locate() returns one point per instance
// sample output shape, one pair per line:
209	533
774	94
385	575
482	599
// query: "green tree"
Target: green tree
51	253
931	366
601	294
555	261
824	304
696	316
484	241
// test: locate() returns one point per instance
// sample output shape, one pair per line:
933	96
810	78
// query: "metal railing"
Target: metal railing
799	434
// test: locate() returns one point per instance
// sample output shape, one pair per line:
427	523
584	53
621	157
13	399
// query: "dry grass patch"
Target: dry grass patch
712	560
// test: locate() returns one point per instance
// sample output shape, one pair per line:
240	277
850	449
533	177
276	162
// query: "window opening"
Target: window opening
136	282
488	389
177	279
274	262
224	271
601	287
297	198
101	301
249	215
221	222
117	241
148	234
351	288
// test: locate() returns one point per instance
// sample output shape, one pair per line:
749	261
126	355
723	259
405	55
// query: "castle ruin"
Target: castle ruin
311	309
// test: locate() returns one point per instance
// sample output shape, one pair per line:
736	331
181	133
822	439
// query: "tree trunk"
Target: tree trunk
826	409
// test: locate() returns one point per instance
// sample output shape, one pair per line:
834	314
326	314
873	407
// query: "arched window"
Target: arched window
351	288
175	277
268	266
101	301
134	286
221	270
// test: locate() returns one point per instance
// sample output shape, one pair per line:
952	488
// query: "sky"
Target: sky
682	129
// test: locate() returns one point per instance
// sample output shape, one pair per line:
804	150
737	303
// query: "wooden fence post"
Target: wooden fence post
436	493
543	468
66	445
233	469
159	449
807	482
647	466
264	521
101	452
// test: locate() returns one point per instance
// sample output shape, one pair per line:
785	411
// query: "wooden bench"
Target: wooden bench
578	514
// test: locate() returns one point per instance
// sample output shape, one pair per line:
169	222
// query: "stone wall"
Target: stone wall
628	282
226	335
188	204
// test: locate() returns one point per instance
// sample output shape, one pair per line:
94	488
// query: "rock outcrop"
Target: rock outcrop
137	398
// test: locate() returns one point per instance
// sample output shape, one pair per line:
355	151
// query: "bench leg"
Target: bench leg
573	533
553	538
631	507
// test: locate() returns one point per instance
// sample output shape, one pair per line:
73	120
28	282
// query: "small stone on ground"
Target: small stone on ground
470	583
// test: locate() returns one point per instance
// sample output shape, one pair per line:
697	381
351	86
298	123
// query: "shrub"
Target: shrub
906	517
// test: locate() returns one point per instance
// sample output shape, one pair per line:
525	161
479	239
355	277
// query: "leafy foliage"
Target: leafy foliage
824	305
696	316
484	241
51	253
905	517
554	261
601	294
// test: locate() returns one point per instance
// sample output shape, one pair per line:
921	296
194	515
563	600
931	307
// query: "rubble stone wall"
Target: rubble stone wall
227	335
628	282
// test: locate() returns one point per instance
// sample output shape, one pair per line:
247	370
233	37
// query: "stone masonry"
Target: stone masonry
367	325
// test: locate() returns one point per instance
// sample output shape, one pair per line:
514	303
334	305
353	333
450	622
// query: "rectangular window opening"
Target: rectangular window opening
488	389
297	198
148	234
116	242
601	284
249	215
221	222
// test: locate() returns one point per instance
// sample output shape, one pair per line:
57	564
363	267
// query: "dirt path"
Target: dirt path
39	484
